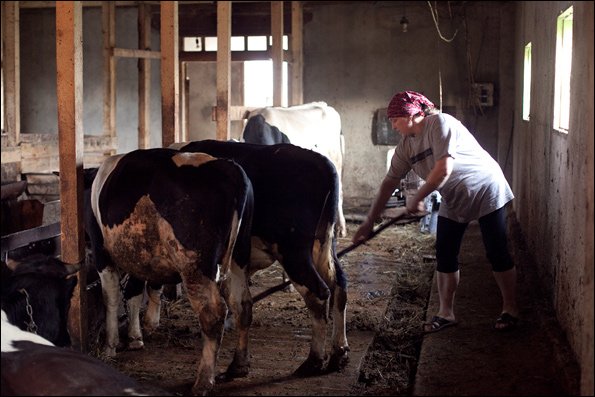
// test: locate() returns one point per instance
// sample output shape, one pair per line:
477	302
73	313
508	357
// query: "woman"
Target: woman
443	152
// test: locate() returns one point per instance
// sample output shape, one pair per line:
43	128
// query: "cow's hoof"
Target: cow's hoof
231	374
109	352
237	371
337	362
200	389
135	343
311	367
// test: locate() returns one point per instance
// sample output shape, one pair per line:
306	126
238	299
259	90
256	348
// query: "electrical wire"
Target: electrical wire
434	13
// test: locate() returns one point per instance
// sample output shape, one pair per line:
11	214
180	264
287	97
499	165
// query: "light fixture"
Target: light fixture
404	22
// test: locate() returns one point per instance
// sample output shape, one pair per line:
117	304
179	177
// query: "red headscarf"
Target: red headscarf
407	103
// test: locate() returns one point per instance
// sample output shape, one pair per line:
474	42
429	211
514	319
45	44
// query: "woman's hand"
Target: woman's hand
363	232
414	205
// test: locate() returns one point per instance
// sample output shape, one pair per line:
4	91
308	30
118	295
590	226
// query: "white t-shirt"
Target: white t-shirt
476	186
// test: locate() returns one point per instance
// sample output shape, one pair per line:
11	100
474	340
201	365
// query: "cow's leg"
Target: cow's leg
110	286
300	268
209	304
133	297
318	310
239	301
153	314
339	359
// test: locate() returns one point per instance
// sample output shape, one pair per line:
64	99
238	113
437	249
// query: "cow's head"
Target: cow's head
36	295
258	131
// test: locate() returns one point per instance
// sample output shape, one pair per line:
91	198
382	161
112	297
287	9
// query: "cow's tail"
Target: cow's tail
327	261
238	245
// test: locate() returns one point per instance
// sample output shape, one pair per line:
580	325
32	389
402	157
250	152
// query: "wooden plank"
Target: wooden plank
223	69
296	67
236	56
69	57
144	77
132	53
170	84
235	112
93	144
52	4
277	51
11	70
108	39
21	239
184	102
11	154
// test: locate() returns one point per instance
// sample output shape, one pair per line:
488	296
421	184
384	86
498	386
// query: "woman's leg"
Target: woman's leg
493	231
449	235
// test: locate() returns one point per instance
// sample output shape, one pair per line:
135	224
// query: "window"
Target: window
192	44
258	83
563	69
527	83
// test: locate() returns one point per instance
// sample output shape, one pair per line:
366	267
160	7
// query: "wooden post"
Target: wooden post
12	72
277	51
296	86
170	71
69	57
223	69
184	102
144	77
108	37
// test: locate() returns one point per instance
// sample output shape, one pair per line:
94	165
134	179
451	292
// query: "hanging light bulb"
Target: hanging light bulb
404	23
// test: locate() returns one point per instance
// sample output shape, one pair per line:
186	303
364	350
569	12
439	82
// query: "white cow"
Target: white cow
315	126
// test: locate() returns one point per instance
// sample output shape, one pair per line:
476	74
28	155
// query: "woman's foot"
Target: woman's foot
506	322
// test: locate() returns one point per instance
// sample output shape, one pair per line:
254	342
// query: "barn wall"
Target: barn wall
553	172
356	57
202	96
39	112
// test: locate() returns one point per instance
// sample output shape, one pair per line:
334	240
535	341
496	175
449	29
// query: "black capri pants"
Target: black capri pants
449	235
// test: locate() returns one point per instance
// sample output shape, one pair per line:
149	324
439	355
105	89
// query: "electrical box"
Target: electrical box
484	94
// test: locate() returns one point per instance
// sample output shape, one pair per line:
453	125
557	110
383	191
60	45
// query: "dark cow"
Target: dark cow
36	295
295	209
33	366
258	131
163	216
315	126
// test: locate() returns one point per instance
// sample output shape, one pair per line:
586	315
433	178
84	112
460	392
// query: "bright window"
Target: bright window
527	83
258	83
563	69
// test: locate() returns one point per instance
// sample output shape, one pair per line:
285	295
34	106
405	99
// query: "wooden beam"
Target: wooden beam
108	35
184	102
277	51
235	112
69	63
144	77
223	69
296	69
12	72
11	154
132	53
236	56
170	70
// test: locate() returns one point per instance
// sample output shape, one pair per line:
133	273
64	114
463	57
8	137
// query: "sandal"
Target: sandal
437	324
510	322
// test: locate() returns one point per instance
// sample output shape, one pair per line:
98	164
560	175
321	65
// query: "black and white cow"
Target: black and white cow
36	295
315	126
163	216
295	211
33	366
